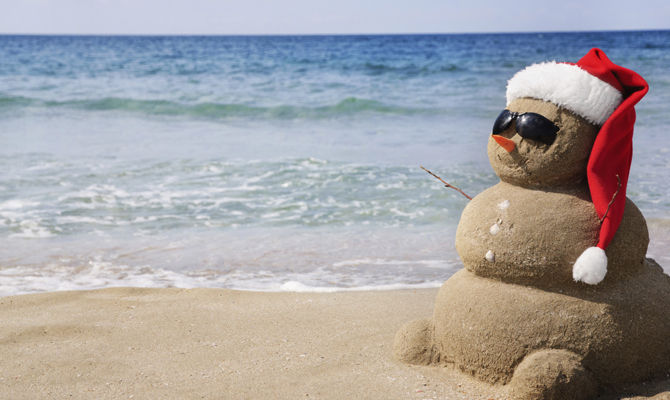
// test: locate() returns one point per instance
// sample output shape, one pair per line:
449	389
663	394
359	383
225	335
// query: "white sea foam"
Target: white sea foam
414	214
103	274
75	219
31	229
213	169
294	286
17	204
263	260
386	186
45	166
381	261
259	178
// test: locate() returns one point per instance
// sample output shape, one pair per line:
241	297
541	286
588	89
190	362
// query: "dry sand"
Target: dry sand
219	344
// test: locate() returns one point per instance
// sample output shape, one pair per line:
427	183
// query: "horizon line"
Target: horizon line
336	34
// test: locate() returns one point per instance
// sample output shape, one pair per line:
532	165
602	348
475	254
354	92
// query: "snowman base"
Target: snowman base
542	344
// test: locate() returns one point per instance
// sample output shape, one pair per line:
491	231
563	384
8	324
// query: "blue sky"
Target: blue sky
331	16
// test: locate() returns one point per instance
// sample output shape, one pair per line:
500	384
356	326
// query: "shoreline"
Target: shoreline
219	343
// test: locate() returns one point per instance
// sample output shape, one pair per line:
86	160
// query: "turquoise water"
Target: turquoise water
271	163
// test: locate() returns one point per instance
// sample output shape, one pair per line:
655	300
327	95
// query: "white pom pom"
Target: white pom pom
591	266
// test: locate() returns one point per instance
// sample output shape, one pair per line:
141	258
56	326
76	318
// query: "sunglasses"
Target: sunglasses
528	125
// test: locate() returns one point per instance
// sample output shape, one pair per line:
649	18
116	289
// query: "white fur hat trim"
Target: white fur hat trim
591	266
567	86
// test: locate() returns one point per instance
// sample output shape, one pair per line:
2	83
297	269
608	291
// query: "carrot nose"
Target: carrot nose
505	143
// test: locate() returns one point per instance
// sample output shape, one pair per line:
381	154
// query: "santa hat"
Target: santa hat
604	94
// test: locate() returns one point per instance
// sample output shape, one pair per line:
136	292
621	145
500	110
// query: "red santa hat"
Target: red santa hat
604	94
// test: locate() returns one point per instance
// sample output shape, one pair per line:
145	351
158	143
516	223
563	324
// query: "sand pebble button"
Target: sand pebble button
490	257
494	229
503	204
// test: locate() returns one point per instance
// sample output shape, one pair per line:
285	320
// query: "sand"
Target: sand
220	344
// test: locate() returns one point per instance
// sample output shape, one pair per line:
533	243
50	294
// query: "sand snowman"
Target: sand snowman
557	299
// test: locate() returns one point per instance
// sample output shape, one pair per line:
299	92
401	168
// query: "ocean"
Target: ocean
272	163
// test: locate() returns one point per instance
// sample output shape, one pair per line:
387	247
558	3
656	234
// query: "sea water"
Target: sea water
272	162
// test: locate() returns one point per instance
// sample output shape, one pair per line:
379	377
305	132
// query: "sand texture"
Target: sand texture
219	344
215	344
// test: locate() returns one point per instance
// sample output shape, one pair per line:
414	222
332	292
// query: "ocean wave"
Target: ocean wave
154	197
346	107
97	274
409	70
296	260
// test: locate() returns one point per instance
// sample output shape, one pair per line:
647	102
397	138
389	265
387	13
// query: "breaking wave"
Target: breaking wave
212	110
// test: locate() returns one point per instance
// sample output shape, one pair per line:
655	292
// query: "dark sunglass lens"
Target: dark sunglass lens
536	127
503	121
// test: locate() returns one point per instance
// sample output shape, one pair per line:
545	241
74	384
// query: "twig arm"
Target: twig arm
448	185
618	186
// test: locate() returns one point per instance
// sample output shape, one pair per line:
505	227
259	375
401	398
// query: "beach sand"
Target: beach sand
219	344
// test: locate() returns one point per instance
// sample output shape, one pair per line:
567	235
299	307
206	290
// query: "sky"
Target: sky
327	16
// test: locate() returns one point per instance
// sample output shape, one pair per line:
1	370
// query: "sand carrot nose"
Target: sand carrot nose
505	143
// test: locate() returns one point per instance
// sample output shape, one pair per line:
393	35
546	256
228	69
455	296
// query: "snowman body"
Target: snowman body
514	315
